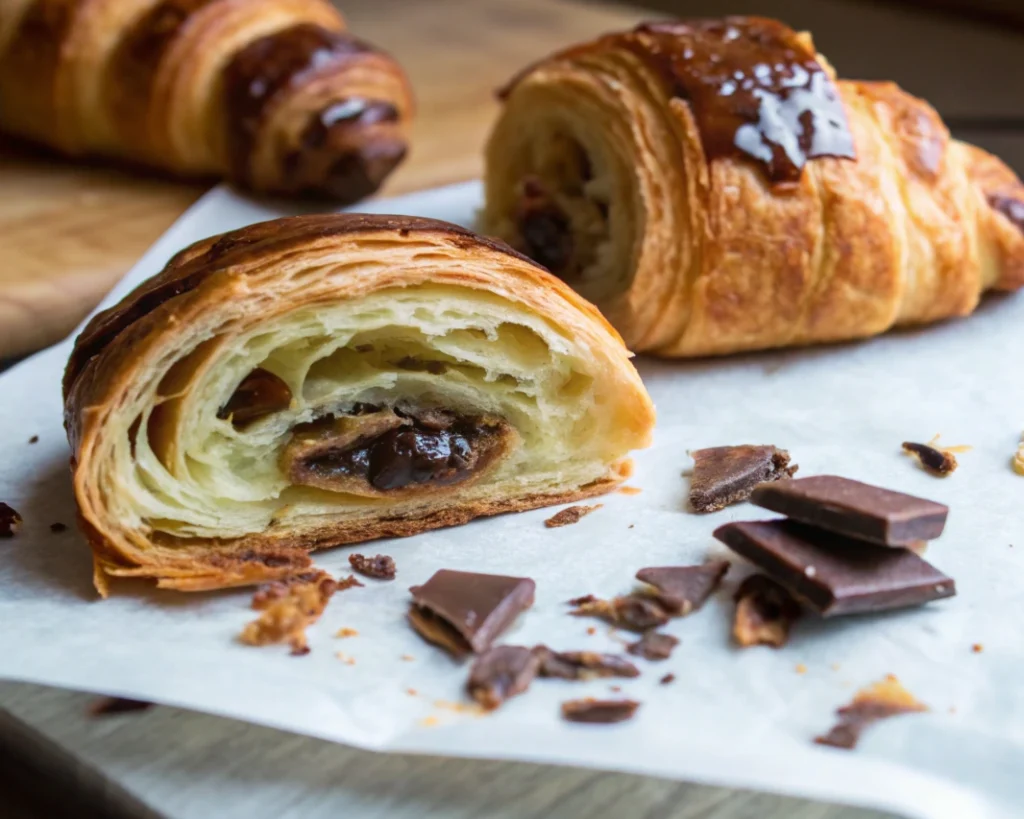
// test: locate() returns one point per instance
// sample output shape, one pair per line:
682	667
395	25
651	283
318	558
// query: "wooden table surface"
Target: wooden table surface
67	232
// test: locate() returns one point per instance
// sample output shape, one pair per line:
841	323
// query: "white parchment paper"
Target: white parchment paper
732	717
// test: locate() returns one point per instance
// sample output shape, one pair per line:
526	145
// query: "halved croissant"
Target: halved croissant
272	94
712	188
321	380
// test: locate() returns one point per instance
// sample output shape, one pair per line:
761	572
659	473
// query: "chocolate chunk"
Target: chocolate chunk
937	461
724	475
381	567
882	700
653	646
105	706
260	393
682	589
10	521
571	515
856	509
583	665
836	574
500	673
765	611
637	612
464	612
599	711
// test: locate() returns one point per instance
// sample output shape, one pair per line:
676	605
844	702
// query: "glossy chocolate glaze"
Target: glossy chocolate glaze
268	66
1011	207
756	90
133	67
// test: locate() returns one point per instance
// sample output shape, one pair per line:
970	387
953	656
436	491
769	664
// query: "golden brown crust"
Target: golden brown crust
706	249
272	94
121	347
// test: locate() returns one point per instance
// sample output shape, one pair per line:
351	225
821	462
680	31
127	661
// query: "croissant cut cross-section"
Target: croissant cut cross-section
323	380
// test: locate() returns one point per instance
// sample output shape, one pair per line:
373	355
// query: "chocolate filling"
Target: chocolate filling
382	450
544	228
259	394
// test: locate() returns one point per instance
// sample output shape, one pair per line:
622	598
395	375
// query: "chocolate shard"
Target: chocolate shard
583	665
683	589
937	461
724	475
381	567
105	706
653	646
637	612
570	515
599	711
835	574
882	700
464	612
765	611
500	673
855	509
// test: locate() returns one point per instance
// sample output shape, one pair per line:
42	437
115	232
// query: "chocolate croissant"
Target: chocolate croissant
322	380
712	187
274	95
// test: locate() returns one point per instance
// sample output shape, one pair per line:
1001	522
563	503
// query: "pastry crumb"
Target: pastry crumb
591	630
933	458
429	722
630	490
288	606
345	631
412	692
801	668
570	515
408	658
977	648
380	567
670	677
1018	458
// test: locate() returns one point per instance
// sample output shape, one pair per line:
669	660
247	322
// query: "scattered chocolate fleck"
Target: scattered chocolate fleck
764	612
615	688
670	677
599	711
653	646
936	461
884	699
288	606
104	706
683	589
570	515
637	612
10	521
583	665
346	632
725	475
381	567
349	582
591	630
58	527
300	650
34	439
500	673
580	601
977	648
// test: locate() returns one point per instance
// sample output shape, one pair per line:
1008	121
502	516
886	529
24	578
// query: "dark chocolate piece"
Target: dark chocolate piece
835	574
500	673
34	439
10	521
260	393
464	612
653	646
381	567
879	701
637	612
937	461
682	589
599	711
765	611
570	515
724	475
105	706
583	665
856	509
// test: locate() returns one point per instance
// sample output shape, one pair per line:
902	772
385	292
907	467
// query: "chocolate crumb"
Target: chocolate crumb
725	475
764	612
381	567
500	673
105	706
10	521
591	630
599	711
571	515
581	601
653	646
670	677
637	612
882	700
936	461
300	650
58	527
583	665
34	439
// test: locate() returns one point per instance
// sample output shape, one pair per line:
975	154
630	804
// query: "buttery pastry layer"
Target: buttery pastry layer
713	188
328	379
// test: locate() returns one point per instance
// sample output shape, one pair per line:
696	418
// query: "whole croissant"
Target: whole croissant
272	94
713	188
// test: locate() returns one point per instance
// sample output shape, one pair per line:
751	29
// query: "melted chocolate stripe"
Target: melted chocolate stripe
268	66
